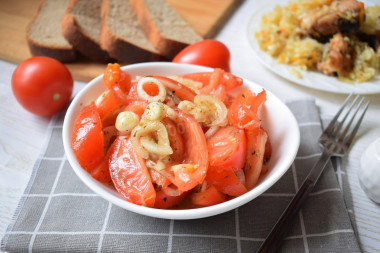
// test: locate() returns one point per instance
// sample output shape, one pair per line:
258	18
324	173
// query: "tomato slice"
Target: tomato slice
227	148
225	181
130	174
256	140
164	201
210	196
87	140
243	112
186	178
180	90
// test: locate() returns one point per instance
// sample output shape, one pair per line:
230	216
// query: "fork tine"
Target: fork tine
337	129
343	135
330	127
350	138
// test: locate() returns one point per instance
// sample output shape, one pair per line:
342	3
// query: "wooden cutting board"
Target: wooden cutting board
205	16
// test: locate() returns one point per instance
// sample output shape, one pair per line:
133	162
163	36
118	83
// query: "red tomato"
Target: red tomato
130	174
187	177
243	112
87	140
164	201
176	141
210	53
227	148
256	140
210	196
225	181
42	85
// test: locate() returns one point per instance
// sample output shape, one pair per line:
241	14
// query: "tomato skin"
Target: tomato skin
227	148
87	140
210	53
130	174
195	153
42	85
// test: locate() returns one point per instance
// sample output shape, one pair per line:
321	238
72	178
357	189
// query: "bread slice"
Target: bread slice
81	26
163	26
43	34
121	35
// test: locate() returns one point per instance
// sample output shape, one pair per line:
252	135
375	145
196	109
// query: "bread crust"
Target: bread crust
166	46
79	39
121	49
62	54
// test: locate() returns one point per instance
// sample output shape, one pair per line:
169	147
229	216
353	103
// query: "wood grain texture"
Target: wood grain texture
205	16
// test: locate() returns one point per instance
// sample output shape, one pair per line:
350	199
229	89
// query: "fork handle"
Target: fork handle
273	241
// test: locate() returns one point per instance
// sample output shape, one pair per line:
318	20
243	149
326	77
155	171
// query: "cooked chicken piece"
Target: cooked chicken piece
338	59
340	16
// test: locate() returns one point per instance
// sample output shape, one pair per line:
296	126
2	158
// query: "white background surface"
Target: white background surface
22	134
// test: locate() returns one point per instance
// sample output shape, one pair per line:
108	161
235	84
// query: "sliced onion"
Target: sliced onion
160	97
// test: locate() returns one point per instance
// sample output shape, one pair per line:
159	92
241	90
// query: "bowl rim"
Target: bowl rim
182	214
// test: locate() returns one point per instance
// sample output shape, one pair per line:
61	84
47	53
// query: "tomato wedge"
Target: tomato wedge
187	177
256	140
243	112
164	201
225	181
87	140
227	148
130	174
210	196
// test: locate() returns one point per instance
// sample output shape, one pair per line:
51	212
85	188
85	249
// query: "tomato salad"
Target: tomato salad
173	141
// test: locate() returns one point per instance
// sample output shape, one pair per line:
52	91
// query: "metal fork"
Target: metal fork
336	140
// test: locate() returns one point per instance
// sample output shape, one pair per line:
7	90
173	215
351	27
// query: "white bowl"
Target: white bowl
277	119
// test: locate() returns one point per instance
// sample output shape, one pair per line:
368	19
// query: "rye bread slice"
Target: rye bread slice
43	33
163	26
81	26
121	35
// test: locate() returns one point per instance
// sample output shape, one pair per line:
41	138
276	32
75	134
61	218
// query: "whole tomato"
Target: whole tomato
42	85
210	53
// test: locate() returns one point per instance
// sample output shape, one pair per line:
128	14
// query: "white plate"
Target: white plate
277	119
311	79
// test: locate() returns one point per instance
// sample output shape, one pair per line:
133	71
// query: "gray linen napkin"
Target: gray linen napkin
58	213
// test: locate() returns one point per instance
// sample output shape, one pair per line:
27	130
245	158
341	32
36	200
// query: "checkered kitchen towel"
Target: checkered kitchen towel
59	213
